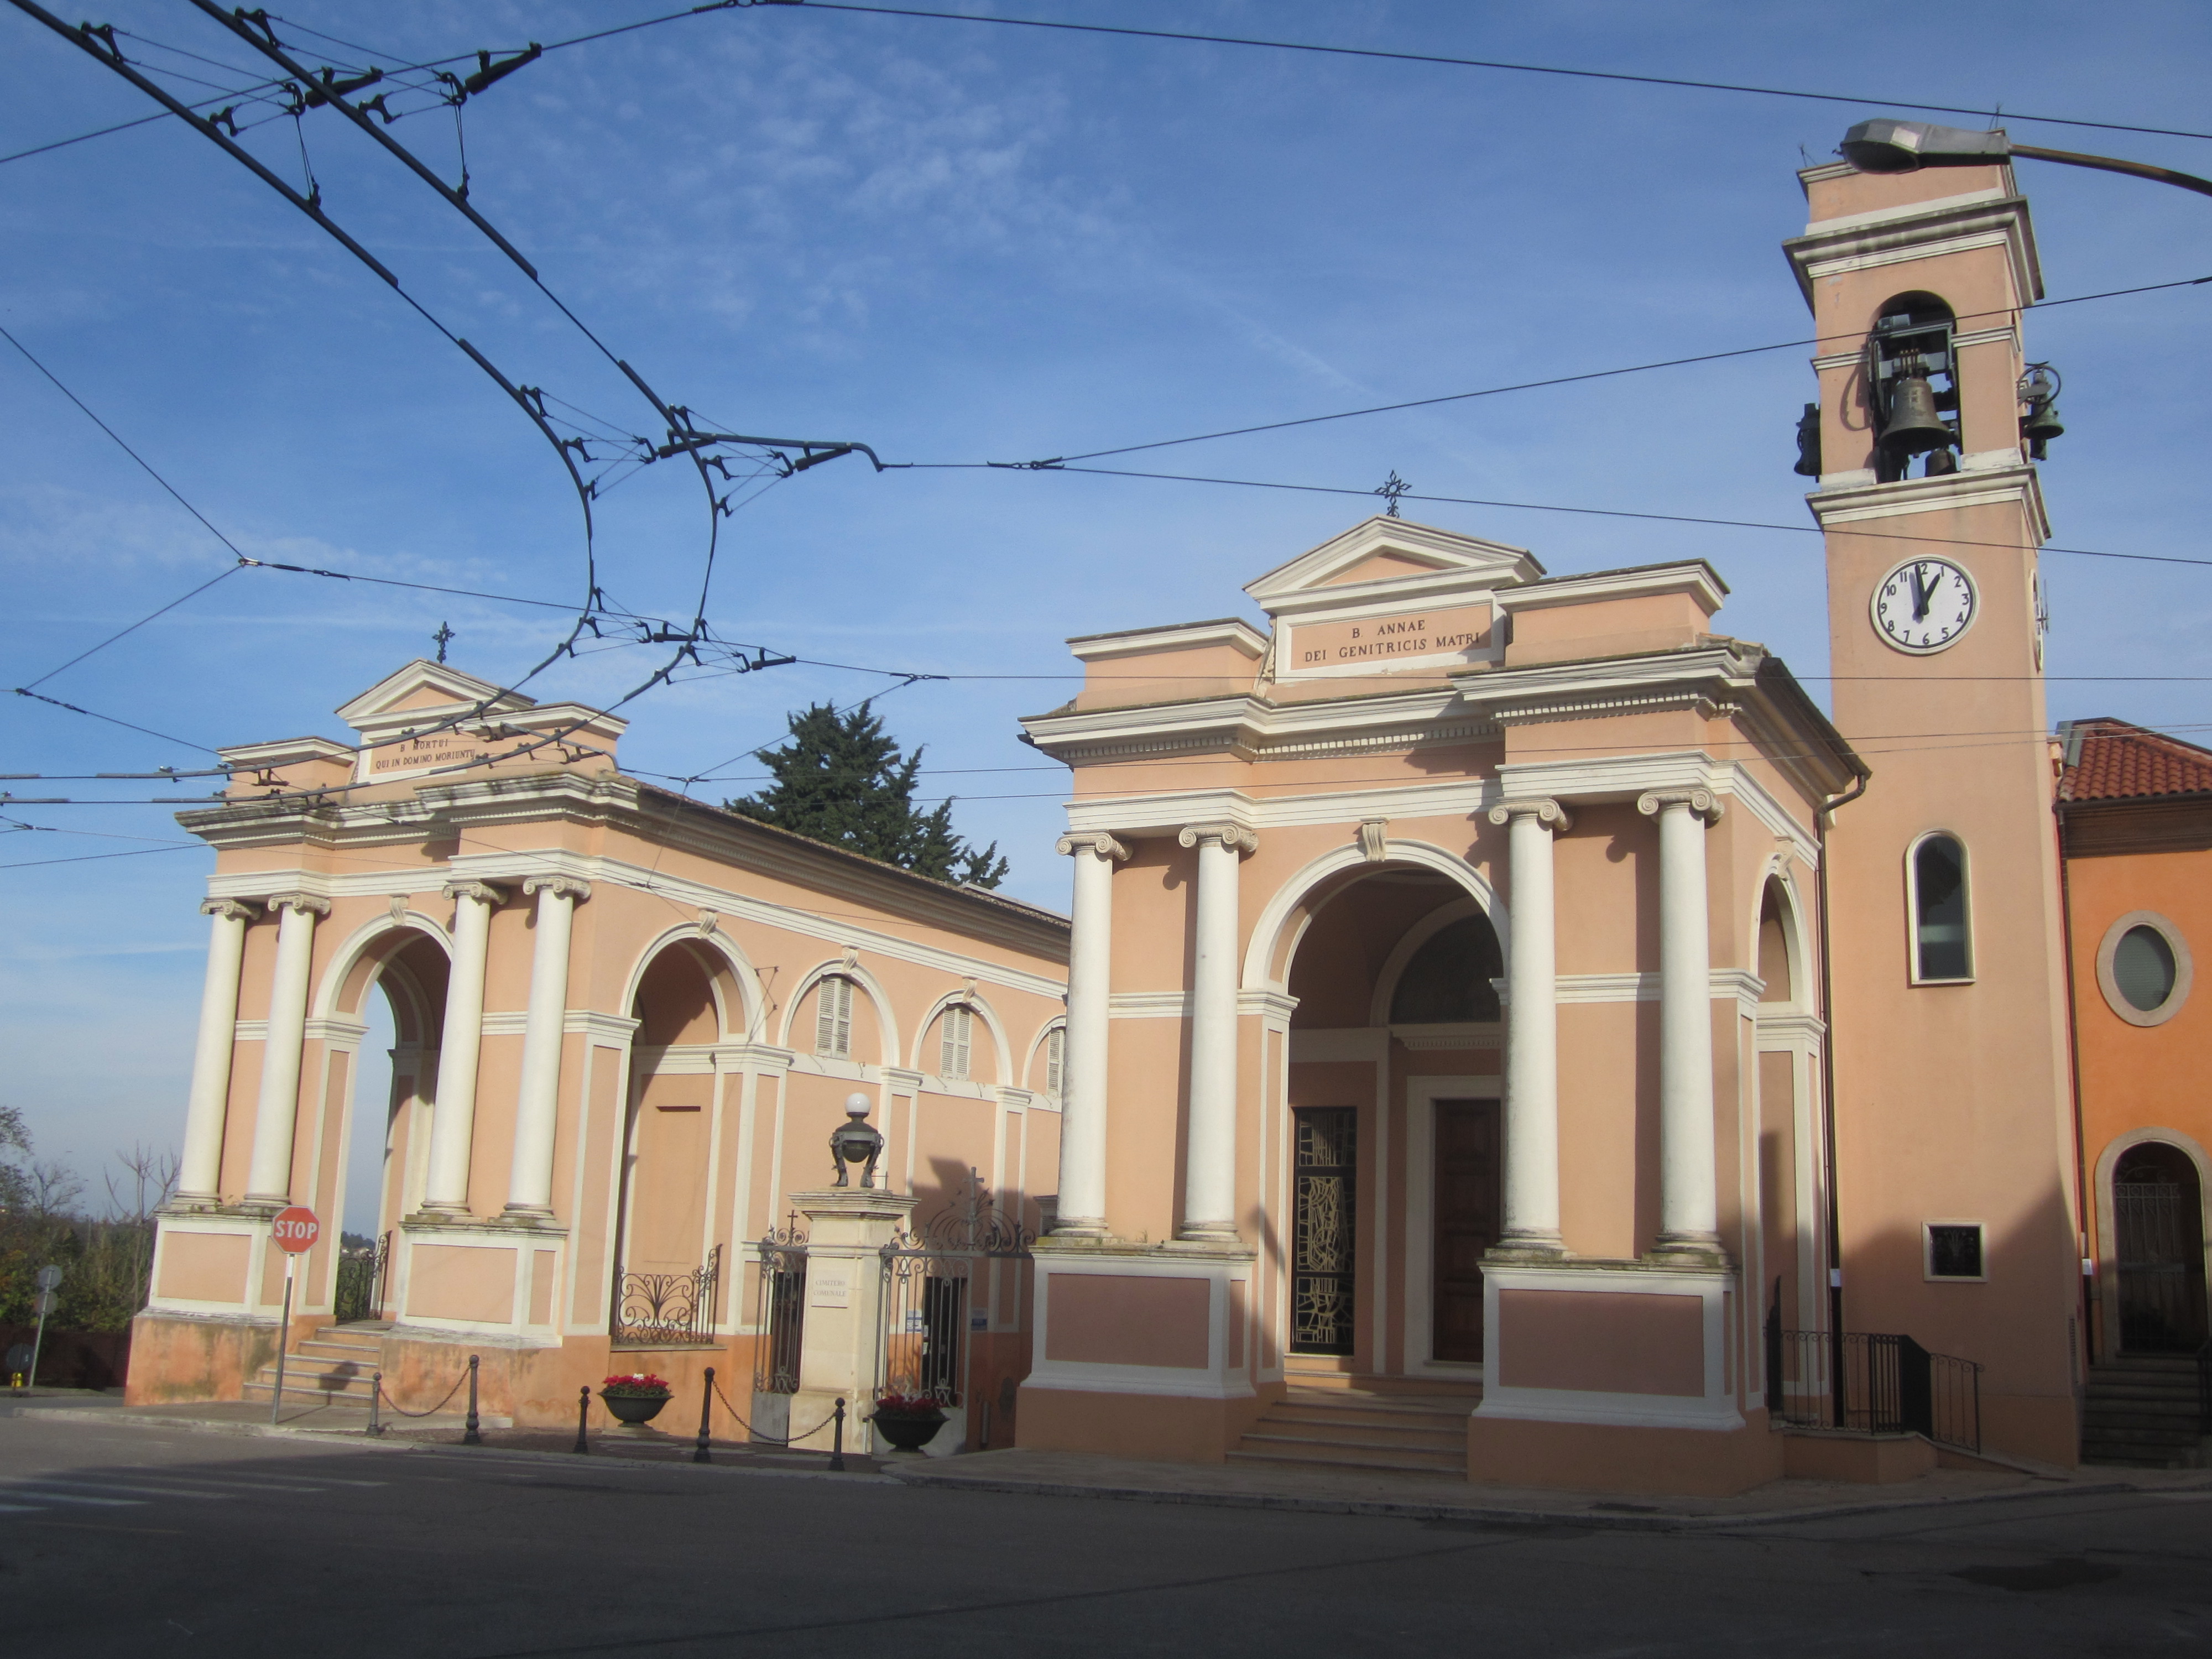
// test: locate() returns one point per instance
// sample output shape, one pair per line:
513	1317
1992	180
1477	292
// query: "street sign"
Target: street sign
295	1229
44	1304
49	1277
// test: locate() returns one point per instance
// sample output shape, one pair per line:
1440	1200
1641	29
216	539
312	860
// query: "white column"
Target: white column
1082	1204
269	1179
1209	1177
1532	1029
453	1112
200	1173
537	1110
1689	1218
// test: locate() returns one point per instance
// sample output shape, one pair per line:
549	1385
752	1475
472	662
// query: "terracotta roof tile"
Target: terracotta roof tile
2120	761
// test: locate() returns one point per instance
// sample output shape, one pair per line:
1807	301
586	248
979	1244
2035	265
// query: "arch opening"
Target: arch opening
2158	1217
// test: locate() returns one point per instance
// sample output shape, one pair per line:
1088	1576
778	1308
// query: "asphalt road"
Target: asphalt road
124	1541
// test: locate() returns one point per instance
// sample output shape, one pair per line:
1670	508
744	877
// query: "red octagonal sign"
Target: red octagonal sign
295	1229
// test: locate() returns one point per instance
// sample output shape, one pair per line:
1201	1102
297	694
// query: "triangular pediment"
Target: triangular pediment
1382	552
422	685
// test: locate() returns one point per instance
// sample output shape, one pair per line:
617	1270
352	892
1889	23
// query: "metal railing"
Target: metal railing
1873	1383
671	1310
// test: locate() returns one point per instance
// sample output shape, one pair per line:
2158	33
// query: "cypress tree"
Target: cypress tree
841	779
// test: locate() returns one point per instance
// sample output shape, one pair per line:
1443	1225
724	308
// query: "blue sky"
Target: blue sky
963	243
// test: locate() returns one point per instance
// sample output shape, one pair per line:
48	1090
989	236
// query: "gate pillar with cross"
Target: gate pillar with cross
840	1342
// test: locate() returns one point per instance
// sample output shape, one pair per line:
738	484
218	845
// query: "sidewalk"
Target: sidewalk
315	1420
1310	1490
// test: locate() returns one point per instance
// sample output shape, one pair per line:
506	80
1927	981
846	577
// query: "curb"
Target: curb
1391	1510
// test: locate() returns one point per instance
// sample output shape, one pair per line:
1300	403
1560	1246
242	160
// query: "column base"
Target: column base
270	1202
525	1211
1209	1233
1528	1247
1078	1226
1690	1250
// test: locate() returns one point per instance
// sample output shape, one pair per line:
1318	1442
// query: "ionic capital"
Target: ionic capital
1234	837
482	891
1702	803
230	910
313	904
566	887
1096	842
1542	808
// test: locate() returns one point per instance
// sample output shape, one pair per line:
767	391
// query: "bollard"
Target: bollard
837	1437
375	1398
706	1411
470	1437
583	1411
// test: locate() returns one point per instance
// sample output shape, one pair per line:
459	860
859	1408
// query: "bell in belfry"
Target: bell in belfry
1914	425
2038	390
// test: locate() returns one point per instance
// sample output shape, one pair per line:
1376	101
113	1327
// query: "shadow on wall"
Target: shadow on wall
74	1359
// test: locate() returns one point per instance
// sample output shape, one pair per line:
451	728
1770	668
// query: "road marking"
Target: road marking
117	1485
76	1497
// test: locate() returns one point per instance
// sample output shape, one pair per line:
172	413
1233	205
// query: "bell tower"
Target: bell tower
1954	1171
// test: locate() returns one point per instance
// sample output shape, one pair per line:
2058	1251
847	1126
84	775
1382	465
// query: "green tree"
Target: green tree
841	779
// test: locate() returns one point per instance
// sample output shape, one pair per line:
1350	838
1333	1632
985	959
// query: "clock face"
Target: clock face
1924	605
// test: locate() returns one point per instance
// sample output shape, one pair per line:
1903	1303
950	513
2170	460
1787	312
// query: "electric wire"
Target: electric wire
1471	62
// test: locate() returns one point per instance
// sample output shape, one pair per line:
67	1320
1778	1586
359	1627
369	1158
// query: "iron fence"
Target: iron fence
1874	1383
779	1310
362	1269
941	1285
667	1310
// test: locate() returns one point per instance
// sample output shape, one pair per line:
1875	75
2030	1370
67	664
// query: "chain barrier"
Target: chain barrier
376	1395
835	1420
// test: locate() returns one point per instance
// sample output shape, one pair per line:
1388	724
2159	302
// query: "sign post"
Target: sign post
48	1278
294	1232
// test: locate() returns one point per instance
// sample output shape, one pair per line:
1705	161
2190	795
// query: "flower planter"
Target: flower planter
633	1408
909	1431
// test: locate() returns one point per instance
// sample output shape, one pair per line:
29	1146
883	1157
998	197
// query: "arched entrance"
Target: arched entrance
2158	1224
394	995
1394	1140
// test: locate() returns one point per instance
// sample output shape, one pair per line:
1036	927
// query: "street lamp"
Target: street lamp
1887	146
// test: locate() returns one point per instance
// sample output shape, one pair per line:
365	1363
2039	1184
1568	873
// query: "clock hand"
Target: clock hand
1919	594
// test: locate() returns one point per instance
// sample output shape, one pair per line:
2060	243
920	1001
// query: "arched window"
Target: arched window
1773	949
1942	933
1913	388
1056	1058
833	1016
956	1036
1448	980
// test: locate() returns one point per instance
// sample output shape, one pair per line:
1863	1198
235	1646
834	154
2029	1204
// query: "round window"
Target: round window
2144	969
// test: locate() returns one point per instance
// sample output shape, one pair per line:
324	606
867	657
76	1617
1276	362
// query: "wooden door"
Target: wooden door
1467	1209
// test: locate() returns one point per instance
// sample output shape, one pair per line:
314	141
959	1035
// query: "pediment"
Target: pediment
1382	553
421	686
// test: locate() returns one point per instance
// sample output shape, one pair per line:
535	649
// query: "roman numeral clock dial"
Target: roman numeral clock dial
1924	606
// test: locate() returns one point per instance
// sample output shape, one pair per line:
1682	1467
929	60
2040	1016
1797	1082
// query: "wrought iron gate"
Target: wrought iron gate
1322	1234
2161	1299
941	1286
780	1309
361	1267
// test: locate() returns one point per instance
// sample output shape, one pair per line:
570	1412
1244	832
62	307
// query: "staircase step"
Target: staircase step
1312	1456
1273	1429
354	1393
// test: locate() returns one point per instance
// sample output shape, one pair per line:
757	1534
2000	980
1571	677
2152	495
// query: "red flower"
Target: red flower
907	1405
636	1384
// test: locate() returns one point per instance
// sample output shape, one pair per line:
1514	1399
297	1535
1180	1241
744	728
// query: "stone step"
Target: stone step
1445	1436
315	1351
1310	1455
1417	1404
354	1391
1426	1422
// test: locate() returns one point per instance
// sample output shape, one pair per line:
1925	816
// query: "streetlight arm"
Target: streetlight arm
2110	164
1891	146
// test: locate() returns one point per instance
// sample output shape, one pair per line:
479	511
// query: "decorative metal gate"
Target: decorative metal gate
941	1285
361	1267
667	1310
780	1309
1322	1234
2161	1304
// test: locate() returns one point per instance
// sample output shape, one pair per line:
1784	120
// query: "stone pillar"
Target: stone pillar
1082	1207
454	1117
1689	1218
537	1107
269	1179
1210	1149
1532	1032
199	1174
841	1341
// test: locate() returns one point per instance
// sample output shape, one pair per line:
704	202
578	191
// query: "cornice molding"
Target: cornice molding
1999	485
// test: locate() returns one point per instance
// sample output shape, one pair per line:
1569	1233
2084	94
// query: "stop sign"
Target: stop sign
295	1229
